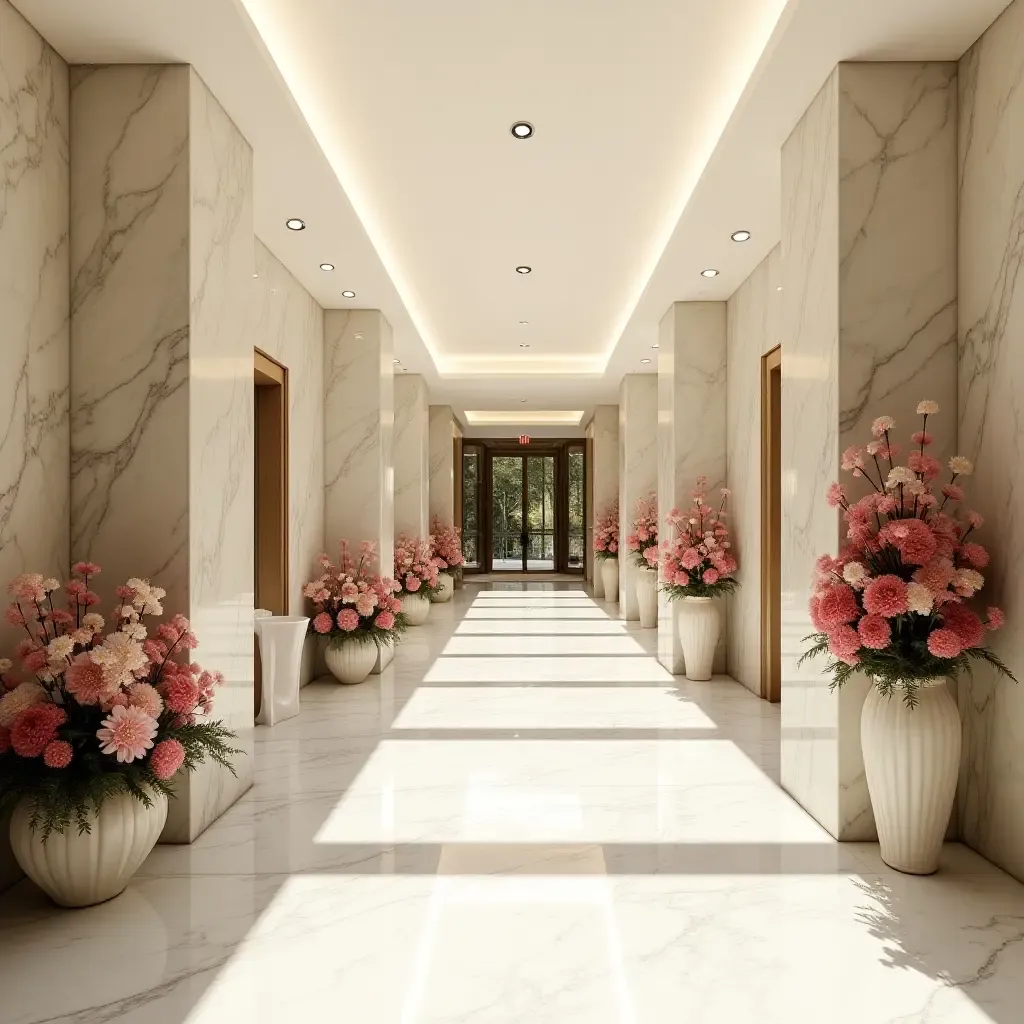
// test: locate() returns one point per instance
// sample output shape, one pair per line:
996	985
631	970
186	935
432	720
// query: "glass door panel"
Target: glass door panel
540	498
472	522
507	513
577	508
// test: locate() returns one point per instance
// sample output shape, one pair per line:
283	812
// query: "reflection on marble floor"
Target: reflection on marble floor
524	818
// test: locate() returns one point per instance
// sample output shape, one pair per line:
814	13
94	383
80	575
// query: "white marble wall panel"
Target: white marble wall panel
991	394
753	329
34	295
359	477
638	470
691	435
443	432
412	456
869	315
605	474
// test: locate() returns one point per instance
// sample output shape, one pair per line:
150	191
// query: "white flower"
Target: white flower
6	664
22	696
927	408
919	598
854	573
60	648
914	487
872	447
147	597
51	584
136	630
969	579
93	622
899	475
882	424
119	657
961	466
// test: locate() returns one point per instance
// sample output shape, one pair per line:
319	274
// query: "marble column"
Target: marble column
869	309
34	296
444	432
162	435
604	434
691	435
412	456
638	470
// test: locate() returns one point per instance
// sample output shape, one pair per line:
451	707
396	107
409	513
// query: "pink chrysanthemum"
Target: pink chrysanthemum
681	579
996	618
323	623
835	495
843	643
34	661
690	558
35	727
936	575
412	584
85	568
167	757
944	643
126	733
953	491
180	693
913	538
86	682
710	576
886	595
348	619
146	697
384	620
969	629
837	606
349	592
975	554
365	603
875	632
58	754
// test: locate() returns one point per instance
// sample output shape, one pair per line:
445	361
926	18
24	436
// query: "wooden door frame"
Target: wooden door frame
771	555
271	580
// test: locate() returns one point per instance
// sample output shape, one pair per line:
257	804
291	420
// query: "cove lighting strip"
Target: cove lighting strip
496	418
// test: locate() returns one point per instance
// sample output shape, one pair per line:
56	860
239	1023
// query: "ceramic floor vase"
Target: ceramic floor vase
416	608
647	596
699	626
445	588
911	760
351	661
81	869
610	578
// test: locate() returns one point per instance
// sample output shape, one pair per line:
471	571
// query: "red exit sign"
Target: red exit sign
524	438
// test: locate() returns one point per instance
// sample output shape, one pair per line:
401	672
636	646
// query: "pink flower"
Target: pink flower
85	568
914	540
954	492
964	623
927	465
365	603
975	554
835	496
27	587
681	579
180	693
881	425
886	595
936	575
323	623
837	606
34	661
86	682
127	733
412	584
710	576
975	519
874	632
57	754
996	618
690	558
853	458
921	437
944	643
385	620
348	619
167	757
35	727
349	592
146	697
843	643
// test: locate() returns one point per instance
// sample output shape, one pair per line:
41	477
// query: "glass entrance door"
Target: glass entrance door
523	513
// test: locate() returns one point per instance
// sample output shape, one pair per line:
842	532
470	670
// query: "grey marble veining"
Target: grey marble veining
991	386
412	456
444	432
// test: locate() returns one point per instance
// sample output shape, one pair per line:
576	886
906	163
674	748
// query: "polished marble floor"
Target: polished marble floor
524	819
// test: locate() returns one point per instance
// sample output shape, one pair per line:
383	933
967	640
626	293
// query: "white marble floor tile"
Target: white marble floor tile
520	821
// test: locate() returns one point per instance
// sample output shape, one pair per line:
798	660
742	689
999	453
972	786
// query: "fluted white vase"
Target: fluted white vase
699	626
351	661
911	760
445	588
610	578
415	608
80	869
647	597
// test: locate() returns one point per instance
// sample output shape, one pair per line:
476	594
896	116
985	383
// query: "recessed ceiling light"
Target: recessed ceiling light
524	270
740	236
326	266
294	224
645	360
709	273
348	294
522	401
524	322
522	129
524	345
655	345
397	361
779	289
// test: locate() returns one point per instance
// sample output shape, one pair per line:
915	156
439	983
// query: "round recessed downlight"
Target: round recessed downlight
524	345
348	295
655	345
524	270
645	360
709	273
326	266
522	130
740	236
294	224
397	361
524	322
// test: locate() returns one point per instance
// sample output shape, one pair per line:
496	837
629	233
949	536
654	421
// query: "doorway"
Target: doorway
523	513
771	525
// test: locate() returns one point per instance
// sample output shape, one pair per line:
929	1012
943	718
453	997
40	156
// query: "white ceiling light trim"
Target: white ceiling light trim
502	418
523	365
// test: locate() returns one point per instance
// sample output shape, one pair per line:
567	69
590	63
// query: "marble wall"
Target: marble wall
444	430
753	329
34	297
868	327
638	470
604	430
412	456
286	323
162	268
991	396
691	435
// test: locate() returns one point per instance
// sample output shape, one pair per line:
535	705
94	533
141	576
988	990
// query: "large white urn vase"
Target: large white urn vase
415	608
699	626
351	661
445	588
647	596
610	578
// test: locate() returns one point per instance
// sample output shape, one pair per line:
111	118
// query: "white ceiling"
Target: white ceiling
385	125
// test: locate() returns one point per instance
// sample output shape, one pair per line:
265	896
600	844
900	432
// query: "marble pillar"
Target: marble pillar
691	435
161	365
754	328
638	471
444	433
412	456
869	307
991	396
34	295
604	434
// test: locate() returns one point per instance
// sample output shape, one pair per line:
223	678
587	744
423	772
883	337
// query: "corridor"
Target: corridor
525	818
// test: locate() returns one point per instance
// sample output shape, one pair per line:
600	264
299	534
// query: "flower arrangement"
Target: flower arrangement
893	603
697	562
416	568
446	547
351	604
606	533
643	541
100	713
